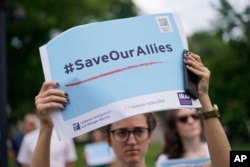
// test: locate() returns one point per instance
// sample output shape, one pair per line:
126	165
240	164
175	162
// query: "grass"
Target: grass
153	151
241	147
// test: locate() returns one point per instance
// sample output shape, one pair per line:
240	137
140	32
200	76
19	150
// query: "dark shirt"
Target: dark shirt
16	142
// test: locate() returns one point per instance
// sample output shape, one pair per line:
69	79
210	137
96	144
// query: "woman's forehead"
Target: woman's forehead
131	122
185	111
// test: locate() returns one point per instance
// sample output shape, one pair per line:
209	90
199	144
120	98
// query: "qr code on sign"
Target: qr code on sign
164	24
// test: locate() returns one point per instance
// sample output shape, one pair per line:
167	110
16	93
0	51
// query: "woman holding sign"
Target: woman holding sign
183	137
130	137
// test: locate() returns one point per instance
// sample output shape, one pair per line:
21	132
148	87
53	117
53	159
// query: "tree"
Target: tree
30	25
227	53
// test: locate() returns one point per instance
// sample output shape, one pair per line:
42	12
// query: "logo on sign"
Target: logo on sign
184	98
76	126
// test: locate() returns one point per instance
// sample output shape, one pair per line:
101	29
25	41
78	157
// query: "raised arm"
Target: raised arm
218	145
46	101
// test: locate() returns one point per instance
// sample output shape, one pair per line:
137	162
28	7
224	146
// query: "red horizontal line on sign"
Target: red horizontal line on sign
113	72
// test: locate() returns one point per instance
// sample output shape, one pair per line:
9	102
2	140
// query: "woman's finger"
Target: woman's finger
49	106
47	85
50	92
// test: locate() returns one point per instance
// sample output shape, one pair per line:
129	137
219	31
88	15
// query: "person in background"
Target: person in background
183	136
97	136
28	124
62	154
130	137
98	153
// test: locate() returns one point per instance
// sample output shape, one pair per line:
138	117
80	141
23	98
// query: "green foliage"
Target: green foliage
226	53
31	24
153	151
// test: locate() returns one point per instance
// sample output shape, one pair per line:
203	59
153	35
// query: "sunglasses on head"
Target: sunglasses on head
184	118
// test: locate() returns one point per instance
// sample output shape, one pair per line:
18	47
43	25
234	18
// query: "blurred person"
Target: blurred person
97	136
130	137
183	136
62	154
98	153
28	124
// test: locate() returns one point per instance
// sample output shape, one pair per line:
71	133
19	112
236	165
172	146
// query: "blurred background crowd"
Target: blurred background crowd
223	44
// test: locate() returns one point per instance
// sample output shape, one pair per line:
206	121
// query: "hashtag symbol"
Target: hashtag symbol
69	68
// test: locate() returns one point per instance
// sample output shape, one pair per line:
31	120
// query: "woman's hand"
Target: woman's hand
47	100
194	64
